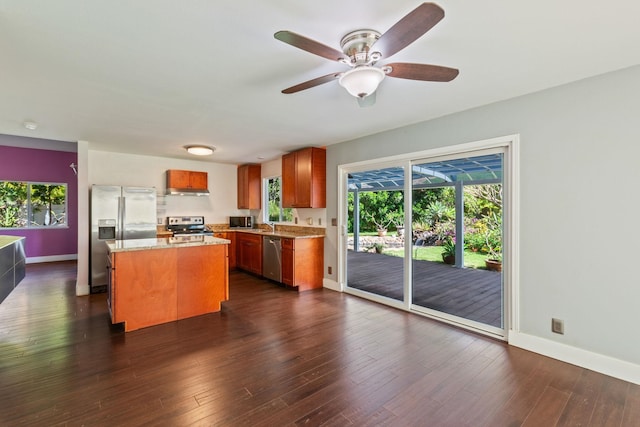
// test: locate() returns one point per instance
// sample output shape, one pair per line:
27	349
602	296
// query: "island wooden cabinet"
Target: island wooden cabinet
142	288
183	179
302	262
249	252
304	178
249	187
231	236
154	286
199	289
12	264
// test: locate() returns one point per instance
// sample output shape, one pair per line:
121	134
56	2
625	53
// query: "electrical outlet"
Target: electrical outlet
330	269
334	222
557	326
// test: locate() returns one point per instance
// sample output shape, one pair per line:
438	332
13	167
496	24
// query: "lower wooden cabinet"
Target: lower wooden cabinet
143	288
231	236
203	280
302	259
249	252
302	262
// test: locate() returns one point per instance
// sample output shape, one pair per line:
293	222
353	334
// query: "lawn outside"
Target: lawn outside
394	246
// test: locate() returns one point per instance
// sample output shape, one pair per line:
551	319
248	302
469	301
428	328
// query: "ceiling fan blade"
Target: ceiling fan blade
312	83
425	72
409	29
311	46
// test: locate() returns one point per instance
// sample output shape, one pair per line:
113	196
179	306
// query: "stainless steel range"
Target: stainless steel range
188	226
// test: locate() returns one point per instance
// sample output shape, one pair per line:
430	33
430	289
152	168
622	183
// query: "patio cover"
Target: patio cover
471	170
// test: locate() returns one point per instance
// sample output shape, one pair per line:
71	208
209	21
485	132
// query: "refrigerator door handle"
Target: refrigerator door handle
121	213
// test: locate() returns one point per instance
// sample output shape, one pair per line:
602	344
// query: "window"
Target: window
30	205
273	210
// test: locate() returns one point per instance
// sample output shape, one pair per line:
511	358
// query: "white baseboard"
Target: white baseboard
51	258
331	284
607	365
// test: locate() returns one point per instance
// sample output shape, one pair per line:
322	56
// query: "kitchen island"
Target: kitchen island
12	264
154	281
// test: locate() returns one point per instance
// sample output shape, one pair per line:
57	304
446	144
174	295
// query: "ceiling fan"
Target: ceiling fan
362	49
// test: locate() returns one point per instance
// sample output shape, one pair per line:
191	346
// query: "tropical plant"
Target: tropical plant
396	218
444	230
449	247
381	223
439	212
377	246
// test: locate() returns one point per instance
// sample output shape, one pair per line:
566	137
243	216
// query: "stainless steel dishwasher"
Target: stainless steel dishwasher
272	258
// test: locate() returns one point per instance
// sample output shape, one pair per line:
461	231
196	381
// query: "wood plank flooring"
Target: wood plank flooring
469	293
273	357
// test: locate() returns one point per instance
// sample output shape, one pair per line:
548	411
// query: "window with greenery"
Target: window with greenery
273	211
28	205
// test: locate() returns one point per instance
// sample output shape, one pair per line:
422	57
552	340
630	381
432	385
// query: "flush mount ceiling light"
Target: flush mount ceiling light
200	150
361	81
30	125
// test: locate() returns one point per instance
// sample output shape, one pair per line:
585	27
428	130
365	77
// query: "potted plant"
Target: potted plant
449	250
381	224
397	219
377	246
494	262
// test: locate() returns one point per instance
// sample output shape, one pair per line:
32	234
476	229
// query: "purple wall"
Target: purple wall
35	165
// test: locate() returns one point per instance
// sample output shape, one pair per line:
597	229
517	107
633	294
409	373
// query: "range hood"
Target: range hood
187	192
187	183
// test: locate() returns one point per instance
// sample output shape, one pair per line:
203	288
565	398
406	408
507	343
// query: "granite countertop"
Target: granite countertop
163	243
289	232
276	233
9	240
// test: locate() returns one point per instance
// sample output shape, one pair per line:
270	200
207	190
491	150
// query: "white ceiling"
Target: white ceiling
150	76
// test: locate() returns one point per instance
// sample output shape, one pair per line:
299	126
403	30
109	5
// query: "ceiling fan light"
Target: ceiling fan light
362	81
199	150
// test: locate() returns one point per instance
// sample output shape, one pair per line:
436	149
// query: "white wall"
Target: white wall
127	169
84	223
579	166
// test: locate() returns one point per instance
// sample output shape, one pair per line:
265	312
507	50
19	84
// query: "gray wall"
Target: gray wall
579	233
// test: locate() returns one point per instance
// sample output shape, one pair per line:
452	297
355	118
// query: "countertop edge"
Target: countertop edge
160	243
6	240
274	234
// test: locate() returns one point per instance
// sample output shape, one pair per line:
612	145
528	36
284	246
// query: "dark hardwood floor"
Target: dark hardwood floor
273	357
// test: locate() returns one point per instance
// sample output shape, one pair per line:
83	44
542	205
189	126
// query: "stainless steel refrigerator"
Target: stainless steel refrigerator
118	213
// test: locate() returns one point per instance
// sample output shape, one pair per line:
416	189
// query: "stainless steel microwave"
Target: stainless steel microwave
241	221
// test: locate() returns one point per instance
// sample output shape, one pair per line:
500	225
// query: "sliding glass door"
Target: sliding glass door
457	224
447	263
375	247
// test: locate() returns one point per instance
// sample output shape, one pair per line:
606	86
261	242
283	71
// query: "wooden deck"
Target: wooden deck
464	292
276	357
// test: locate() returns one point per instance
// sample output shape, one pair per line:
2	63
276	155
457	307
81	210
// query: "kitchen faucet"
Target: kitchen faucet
272	225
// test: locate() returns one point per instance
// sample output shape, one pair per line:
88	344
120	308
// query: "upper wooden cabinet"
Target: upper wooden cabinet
181	179
304	178
249	193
